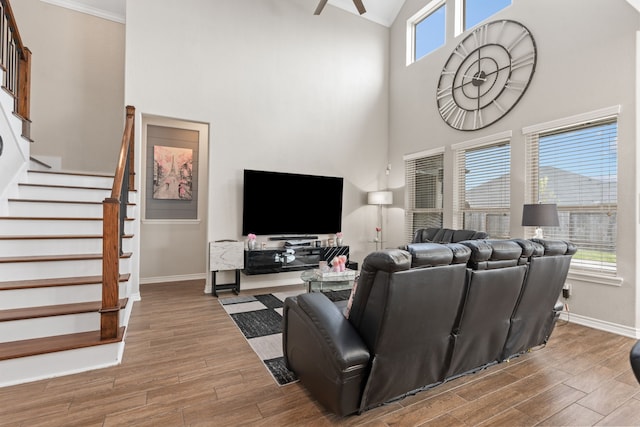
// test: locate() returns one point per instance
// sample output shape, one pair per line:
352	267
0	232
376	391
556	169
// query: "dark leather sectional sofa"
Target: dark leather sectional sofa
424	315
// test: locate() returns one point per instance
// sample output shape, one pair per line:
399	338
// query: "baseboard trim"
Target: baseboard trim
602	325
179	278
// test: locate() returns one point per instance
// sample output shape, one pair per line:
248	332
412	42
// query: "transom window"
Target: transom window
576	167
426	30
476	11
424	188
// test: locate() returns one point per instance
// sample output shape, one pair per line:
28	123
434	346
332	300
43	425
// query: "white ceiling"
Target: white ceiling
381	11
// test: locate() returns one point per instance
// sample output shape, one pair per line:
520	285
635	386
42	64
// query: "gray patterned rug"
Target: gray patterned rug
259	318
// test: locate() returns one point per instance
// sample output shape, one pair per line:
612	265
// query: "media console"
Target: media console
292	258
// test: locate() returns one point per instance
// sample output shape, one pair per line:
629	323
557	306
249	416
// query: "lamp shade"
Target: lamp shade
380	197
540	215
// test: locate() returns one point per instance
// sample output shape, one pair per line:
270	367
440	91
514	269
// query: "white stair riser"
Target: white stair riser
56	269
26	369
23	227
26	329
65	210
8	103
34	177
21	298
37	247
63	193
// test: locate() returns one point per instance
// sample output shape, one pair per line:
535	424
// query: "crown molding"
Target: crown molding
83	8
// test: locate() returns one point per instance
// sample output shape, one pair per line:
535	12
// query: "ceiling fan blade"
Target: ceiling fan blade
359	6
320	7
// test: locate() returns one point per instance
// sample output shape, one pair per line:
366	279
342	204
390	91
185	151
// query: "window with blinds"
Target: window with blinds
483	189
576	167
424	193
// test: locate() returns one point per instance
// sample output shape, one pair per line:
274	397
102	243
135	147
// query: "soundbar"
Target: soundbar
293	238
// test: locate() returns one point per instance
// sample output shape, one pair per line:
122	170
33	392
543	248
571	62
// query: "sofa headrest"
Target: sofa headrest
429	254
556	247
489	254
461	253
446	235
389	260
460	235
529	249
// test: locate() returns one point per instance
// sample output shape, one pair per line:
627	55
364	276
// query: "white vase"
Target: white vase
251	244
339	241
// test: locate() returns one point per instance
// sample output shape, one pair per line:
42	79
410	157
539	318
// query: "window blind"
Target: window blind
483	189
576	168
424	193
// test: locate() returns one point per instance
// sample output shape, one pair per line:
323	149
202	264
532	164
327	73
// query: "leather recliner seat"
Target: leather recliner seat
422	316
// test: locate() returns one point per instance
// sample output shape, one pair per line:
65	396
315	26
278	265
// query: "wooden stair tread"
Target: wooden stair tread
63	281
71	187
43	258
54	310
36	346
71	202
55	218
59	236
100	175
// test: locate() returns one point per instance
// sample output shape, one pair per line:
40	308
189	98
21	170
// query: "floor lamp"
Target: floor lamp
540	215
379	198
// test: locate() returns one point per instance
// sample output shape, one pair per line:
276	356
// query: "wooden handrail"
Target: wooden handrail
15	59
127	136
114	212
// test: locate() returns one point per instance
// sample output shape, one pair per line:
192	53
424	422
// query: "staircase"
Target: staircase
51	277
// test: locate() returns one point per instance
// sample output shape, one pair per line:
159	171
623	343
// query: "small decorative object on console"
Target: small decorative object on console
339	238
251	243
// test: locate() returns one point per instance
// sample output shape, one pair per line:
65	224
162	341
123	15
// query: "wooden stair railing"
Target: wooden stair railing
15	59
114	213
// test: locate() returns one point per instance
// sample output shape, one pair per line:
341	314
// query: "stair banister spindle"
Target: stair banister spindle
114	209
16	60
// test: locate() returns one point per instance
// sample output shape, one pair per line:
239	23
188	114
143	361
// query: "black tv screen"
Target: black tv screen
277	203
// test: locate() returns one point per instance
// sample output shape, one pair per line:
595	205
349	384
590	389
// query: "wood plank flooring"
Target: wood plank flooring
186	364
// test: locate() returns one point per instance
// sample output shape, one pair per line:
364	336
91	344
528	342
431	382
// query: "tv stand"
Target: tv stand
292	258
305	237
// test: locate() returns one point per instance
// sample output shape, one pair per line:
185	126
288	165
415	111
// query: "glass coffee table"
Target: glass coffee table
318	281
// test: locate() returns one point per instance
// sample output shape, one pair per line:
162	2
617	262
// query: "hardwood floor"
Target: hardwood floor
186	364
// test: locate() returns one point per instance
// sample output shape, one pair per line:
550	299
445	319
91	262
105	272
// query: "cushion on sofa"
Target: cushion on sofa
556	247
490	254
429	254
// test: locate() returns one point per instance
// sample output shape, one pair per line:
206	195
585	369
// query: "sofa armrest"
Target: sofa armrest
338	335
325	351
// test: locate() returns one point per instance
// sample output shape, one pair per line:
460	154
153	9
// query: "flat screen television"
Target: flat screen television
288	204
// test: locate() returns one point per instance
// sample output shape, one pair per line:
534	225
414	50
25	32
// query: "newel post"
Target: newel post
109	312
24	85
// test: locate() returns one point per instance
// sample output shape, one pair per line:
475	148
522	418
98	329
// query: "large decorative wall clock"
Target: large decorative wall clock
486	75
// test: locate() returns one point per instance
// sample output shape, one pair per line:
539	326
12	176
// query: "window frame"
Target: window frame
431	7
460	150
411	210
606	273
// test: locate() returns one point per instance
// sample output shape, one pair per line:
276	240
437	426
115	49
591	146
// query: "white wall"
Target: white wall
586	61
280	88
77	85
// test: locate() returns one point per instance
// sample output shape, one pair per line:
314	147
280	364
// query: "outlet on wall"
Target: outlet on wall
566	290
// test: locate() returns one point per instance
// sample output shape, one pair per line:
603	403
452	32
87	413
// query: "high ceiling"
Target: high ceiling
381	11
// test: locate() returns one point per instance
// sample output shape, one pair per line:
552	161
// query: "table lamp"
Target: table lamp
540	215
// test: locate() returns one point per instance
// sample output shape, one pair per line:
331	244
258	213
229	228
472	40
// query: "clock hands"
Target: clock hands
480	78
